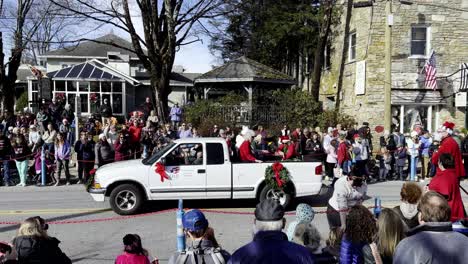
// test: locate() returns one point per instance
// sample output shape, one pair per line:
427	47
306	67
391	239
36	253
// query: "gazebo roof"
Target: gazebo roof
244	69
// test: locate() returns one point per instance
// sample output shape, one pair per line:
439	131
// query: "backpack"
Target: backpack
215	254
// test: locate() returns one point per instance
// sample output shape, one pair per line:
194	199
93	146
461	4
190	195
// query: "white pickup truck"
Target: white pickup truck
197	168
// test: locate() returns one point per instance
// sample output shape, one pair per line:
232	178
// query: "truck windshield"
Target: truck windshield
157	155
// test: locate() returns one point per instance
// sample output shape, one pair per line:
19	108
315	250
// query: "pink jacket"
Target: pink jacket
127	258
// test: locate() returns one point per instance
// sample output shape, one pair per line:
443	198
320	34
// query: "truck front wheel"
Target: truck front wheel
282	195
126	199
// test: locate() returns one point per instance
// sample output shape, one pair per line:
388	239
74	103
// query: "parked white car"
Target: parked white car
197	168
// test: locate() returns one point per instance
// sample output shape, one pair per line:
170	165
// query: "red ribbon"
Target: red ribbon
161	170
277	167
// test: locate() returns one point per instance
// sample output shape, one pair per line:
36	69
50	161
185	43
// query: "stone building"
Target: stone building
419	28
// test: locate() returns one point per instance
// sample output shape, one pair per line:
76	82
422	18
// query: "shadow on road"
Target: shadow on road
320	200
58	218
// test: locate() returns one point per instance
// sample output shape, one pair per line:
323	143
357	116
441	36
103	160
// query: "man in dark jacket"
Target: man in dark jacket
5	154
103	152
106	112
85	155
270	244
433	241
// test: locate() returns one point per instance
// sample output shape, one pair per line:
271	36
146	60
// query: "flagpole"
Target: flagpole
388	67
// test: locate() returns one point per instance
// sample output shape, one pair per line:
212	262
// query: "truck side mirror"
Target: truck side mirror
162	161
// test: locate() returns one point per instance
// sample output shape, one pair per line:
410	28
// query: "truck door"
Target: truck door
185	167
218	169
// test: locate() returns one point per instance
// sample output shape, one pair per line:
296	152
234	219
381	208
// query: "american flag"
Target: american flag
464	77
431	71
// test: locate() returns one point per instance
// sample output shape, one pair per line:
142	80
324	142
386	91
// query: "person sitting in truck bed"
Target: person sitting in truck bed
245	150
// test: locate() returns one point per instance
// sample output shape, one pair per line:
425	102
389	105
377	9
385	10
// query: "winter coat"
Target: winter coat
34	137
400	156
84	151
432	242
21	152
128	258
331	154
450	146
245	152
121	150
351	253
446	183
175	114
409	214
425	143
32	250
106	110
104	153
342	154
62	152
5	147
68	115
49	137
135	134
271	247
205	246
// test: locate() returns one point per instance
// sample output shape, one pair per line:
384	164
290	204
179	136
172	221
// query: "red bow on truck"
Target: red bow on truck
161	170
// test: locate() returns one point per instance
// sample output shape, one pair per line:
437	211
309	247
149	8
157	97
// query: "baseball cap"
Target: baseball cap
194	220
269	210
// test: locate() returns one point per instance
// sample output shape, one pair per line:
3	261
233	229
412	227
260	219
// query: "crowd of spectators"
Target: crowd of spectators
365	238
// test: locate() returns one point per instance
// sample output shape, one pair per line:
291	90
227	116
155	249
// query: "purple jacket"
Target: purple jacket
62	152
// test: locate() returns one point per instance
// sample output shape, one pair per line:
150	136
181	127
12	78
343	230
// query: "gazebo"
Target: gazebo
242	74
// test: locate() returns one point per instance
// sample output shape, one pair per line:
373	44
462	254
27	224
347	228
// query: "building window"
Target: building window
91	94
420	44
352	47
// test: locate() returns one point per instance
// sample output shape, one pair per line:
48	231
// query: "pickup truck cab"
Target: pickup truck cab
197	168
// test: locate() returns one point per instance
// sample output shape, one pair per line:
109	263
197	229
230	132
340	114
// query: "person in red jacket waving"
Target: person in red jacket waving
450	146
135	137
245	150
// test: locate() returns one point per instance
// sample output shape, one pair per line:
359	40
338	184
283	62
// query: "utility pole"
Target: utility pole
388	66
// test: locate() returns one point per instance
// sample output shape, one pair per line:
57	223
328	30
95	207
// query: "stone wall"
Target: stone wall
449	39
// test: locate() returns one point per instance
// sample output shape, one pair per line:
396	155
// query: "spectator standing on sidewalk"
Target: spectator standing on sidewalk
34	138
425	142
270	244
135	137
84	149
62	157
104	152
106	112
434	240
176	115
122	149
49	138
5	154
449	145
21	155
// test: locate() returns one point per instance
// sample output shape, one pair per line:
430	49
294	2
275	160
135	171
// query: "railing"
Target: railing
241	114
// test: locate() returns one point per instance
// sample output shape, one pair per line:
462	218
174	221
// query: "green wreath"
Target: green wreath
277	176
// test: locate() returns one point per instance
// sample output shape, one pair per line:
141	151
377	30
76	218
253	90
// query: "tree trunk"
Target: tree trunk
319	52
344	55
2	68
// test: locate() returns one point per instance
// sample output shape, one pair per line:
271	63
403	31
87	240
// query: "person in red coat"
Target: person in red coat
245	151
446	183
450	146
121	149
342	153
135	137
288	148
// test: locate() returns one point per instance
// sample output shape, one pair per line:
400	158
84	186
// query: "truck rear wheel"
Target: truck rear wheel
126	199
282	195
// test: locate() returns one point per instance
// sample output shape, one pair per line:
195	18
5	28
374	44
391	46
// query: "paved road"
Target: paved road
100	242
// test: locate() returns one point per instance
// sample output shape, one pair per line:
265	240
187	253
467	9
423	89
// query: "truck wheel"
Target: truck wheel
283	196
126	199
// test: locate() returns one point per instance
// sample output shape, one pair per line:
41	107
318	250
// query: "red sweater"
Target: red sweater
343	154
245	153
135	134
446	183
449	145
291	151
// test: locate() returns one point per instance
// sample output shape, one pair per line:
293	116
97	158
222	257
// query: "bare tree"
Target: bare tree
7	81
167	25
55	27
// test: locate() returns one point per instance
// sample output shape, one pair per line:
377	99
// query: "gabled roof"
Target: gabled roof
91	70
176	78
90	49
244	69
